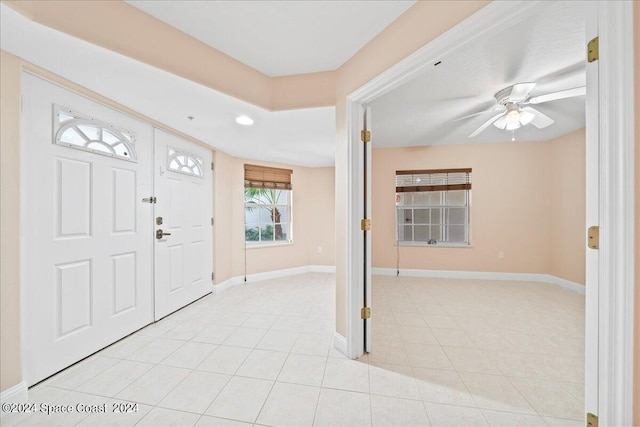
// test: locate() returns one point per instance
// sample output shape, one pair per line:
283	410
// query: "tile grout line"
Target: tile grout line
324	372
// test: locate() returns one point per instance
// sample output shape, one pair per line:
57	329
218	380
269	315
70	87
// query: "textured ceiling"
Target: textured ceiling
547	48
281	37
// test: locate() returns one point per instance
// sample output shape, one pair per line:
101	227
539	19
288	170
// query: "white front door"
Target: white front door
87	235
183	230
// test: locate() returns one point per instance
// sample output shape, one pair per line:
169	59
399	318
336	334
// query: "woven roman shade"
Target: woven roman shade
433	180
265	177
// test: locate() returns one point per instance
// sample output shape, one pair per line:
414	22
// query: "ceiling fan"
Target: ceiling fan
514	108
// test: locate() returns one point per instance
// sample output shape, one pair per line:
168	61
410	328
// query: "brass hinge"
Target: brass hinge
365	224
365	313
593	50
211	220
211	165
594	237
592	420
365	135
149	200
213	276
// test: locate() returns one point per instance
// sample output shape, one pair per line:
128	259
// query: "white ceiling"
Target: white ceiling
281	37
547	48
299	137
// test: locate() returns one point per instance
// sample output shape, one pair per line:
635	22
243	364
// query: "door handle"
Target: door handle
160	234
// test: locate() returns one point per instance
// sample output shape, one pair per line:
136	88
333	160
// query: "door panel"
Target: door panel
73	198
87	235
124	281
184	192
73	297
124	201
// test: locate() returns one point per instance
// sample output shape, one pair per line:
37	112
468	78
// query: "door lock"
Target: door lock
160	234
159	220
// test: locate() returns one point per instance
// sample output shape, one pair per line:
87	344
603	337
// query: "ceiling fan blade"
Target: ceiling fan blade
486	125
501	123
498	108
520	91
568	93
540	120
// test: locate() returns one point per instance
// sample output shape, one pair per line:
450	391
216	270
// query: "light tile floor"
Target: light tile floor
446	353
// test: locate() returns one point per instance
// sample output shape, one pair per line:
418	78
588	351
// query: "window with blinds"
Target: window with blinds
432	206
267	205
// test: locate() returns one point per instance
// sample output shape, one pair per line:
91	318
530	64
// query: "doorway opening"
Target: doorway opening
600	330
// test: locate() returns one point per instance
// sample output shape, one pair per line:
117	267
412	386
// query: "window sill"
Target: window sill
267	245
438	245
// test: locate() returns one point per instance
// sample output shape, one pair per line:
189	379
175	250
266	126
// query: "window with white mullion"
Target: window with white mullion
74	130
437	212
265	221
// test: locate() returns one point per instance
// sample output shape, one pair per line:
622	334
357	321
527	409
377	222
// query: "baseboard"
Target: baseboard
340	343
482	275
15	394
567	284
223	286
322	269
275	274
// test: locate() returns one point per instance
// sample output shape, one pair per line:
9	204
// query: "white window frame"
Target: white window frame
289	209
197	170
443	207
79	119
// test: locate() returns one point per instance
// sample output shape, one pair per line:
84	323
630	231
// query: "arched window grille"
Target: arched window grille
86	133
185	163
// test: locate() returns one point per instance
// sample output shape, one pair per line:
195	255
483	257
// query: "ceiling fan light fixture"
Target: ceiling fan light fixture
513	118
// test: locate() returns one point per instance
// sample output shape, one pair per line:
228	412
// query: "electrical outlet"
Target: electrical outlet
319	249
500	255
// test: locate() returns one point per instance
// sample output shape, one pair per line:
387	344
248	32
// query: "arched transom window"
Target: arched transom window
79	131
184	162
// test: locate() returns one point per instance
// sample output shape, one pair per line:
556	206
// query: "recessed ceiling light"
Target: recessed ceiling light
244	120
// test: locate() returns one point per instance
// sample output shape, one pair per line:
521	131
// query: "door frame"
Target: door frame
615	314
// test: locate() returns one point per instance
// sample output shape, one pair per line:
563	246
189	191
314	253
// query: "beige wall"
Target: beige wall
222	195
567	242
321	219
10	368
312	207
513	207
